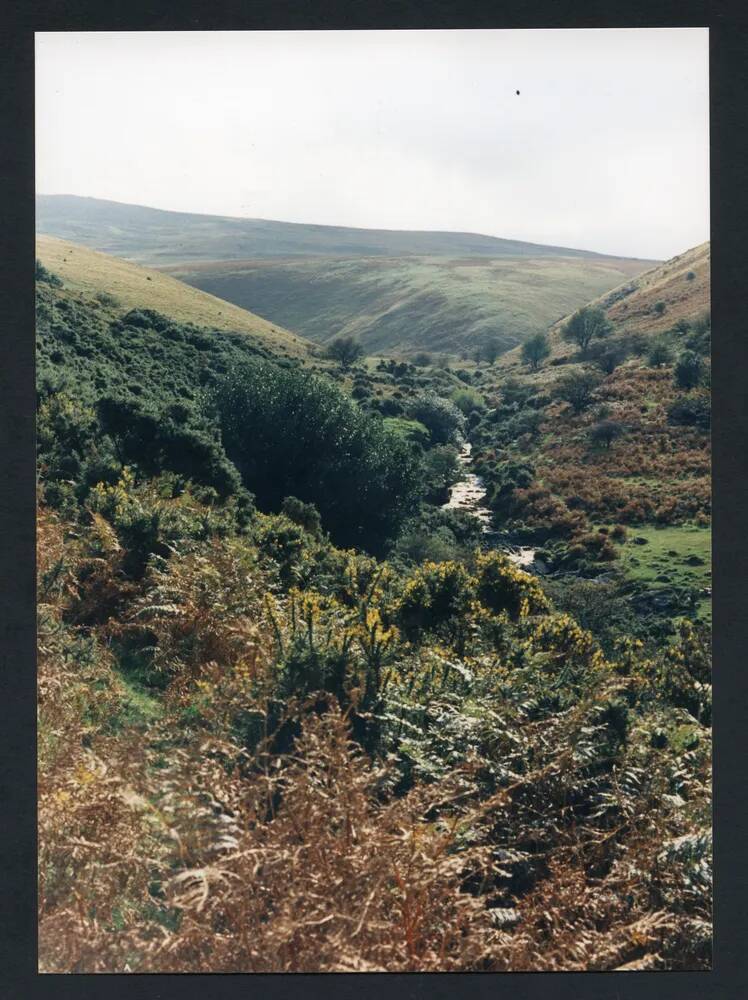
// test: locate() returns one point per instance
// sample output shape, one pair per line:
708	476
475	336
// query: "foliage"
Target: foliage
606	432
577	388
689	370
289	433
443	419
660	354
535	350
692	411
586	325
344	350
262	752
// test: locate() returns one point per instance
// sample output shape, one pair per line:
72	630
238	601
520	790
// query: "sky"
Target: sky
606	146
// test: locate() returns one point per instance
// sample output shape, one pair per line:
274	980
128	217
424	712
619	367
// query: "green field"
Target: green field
665	558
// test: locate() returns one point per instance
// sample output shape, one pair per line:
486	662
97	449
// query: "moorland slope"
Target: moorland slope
127	286
397	291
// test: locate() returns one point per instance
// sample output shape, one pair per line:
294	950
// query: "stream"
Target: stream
469	495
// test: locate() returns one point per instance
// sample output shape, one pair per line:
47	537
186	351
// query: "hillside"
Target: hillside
681	284
451	305
135	287
397	291
602	457
153	236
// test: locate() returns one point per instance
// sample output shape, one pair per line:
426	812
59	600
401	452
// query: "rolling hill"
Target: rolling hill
451	305
397	291
153	236
136	287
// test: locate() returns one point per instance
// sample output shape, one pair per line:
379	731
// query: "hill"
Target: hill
452	305
398	291
152	236
135	287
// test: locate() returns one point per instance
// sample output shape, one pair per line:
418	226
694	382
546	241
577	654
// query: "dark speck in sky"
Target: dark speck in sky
517	93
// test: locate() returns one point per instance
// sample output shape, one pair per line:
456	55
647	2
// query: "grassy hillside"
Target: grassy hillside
396	291
130	286
154	236
681	285
451	305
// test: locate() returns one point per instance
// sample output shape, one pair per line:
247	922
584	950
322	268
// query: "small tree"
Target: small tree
585	326
659	308
535	350
605	433
442	418
489	350
577	389
344	350
659	354
608	357
689	370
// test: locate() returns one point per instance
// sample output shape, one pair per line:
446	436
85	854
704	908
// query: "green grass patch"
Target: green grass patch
669	558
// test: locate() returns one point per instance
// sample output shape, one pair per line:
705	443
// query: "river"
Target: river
469	494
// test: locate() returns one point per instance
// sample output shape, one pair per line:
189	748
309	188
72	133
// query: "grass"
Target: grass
666	554
429	303
135	287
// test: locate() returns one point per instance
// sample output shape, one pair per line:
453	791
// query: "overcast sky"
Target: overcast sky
605	148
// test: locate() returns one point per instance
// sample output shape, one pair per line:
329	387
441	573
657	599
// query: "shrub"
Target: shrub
689	370
436	598
605	433
442	418
466	400
659	354
45	276
292	434
691	411
500	587
577	388
608	356
305	514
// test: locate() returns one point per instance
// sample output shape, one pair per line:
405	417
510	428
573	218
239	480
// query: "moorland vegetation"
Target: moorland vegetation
294	716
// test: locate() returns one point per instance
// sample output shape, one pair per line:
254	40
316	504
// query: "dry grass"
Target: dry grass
136	287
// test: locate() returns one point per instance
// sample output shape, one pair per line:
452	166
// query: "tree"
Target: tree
689	370
659	354
608	357
489	350
605	432
344	350
589	324
439	415
577	389
535	350
291	434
